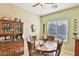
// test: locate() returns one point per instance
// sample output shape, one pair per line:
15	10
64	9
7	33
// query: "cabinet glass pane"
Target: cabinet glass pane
6	27
18	28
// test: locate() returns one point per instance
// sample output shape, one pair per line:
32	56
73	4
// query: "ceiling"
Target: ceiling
47	8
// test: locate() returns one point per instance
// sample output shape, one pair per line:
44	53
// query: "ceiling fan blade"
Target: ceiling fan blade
35	4
49	3
40	4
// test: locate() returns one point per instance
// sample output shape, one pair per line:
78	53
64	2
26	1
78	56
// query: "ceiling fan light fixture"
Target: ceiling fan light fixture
54	6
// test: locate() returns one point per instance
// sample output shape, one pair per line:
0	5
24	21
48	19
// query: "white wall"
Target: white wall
27	17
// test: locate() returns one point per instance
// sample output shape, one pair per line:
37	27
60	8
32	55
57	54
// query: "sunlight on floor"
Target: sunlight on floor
66	53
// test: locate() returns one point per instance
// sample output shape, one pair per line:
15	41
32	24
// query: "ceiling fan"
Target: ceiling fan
41	4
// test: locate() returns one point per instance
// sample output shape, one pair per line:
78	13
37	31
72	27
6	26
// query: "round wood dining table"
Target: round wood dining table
44	51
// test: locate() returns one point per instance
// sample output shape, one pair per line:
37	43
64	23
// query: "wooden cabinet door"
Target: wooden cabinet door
76	47
11	51
17	51
4	52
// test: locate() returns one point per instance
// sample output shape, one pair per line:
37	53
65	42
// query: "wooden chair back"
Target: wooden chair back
59	46
31	47
50	38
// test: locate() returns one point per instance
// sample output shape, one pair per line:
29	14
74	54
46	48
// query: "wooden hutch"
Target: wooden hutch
11	41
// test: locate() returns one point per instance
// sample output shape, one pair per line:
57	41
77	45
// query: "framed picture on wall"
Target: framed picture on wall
58	29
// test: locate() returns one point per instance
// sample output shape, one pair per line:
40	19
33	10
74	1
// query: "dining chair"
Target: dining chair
59	46
31	48
50	37
46	53
57	51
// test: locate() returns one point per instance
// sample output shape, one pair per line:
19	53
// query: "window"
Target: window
58	28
